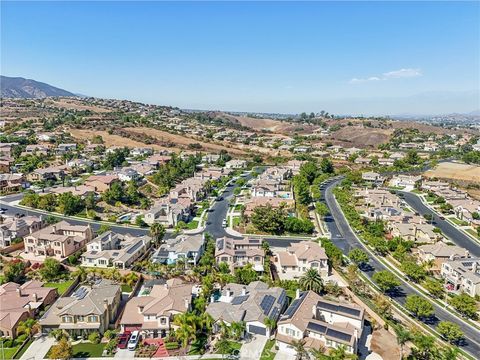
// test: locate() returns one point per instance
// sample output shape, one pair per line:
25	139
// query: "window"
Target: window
163	321
67	319
93	318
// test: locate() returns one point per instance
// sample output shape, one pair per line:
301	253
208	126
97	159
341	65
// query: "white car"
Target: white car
133	342
224	223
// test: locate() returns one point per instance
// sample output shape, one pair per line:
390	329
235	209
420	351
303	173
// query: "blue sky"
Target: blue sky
343	57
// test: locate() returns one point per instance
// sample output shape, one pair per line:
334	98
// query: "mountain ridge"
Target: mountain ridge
19	87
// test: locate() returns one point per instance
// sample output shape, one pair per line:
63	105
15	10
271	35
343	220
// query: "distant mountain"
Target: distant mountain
17	87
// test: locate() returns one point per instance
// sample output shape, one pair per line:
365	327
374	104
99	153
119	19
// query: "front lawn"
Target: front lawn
232	346
267	353
126	288
473	232
192	225
8	352
60	286
458	221
86	350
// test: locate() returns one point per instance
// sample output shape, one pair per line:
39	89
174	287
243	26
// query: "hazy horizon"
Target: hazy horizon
381	58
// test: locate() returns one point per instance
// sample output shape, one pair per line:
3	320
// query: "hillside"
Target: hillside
17	87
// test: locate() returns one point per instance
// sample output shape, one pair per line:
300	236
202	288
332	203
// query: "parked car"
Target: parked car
224	223
123	340
133	342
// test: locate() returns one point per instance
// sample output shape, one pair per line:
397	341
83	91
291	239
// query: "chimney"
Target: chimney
105	304
244	291
54	229
187	303
19	292
297	294
35	297
140	309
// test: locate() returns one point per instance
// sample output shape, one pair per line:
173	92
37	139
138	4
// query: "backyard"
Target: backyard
60	286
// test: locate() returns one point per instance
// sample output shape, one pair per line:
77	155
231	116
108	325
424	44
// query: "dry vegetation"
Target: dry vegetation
456	172
74	104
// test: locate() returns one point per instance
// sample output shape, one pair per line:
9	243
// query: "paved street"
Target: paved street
345	239
455	235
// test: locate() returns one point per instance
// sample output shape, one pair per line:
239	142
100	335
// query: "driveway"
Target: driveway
39	348
252	350
124	354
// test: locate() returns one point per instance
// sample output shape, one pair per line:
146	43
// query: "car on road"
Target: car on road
123	340
442	217
224	223
220	198
133	342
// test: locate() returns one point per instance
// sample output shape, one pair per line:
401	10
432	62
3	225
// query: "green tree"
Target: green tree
326	166
322	209
414	271
403	336
268	219
14	270
465	305
51	269
419	306
28	327
69	204
311	280
385	280
450	331
434	287
246	275
157	232
358	256
300	351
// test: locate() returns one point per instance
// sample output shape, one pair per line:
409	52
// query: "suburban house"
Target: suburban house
91	308
187	248
251	304
64	148
320	323
51	173
373	177
236	164
12	182
420	233
12	228
240	252
128	174
462	275
20	302
440	252
405	181
101	183
293	262
59	240
467	210
152	314
115	250
169	211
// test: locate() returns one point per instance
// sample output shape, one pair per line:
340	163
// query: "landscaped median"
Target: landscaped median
398	273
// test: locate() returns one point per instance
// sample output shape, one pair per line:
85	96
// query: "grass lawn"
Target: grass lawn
126	288
473	232
8	352
267	354
233	345
458	221
192	224
20	353
416	191
86	350
60	286
236	220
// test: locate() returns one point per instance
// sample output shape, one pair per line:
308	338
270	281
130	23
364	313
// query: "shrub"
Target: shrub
94	338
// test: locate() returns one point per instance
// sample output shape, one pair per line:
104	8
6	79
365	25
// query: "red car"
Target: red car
123	340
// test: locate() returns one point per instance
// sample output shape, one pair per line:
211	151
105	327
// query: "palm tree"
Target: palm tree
403	336
299	347
185	334
157	232
28	327
319	354
270	324
222	346
81	273
311	280
238	329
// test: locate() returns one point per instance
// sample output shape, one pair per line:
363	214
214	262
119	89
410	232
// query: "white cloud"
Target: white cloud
395	74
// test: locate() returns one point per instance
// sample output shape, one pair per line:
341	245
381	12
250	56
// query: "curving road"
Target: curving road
345	239
450	231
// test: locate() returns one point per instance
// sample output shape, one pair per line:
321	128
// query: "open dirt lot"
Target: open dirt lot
385	345
114	140
76	105
183	141
456	171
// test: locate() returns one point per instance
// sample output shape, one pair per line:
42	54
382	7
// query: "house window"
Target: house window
93	318
67	319
163	321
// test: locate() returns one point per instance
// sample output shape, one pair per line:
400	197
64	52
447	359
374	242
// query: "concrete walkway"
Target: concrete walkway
38	349
252	350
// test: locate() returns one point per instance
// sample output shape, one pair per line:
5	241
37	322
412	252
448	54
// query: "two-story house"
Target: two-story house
152	314
240	252
187	248
59	240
